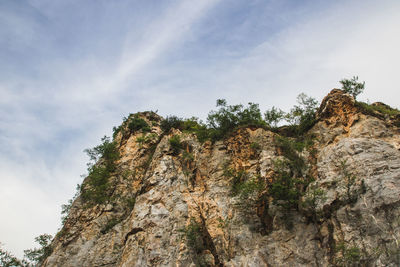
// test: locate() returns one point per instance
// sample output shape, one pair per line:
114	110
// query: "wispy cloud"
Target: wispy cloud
47	119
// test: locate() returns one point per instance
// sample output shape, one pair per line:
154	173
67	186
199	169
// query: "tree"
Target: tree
228	117
38	255
274	116
352	86
8	260
303	115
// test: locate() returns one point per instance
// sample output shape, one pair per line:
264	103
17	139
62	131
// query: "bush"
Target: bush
38	255
380	108
9	260
349	180
274	116
103	157
352	86
290	149
250	188
137	123
193	234
175	143
171	122
285	188
350	256
65	208
302	116
110	225
255	146
228	118
313	196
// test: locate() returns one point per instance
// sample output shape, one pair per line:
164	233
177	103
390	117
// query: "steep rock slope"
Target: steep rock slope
170	208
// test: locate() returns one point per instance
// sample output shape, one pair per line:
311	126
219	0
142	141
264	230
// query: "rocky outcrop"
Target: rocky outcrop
178	209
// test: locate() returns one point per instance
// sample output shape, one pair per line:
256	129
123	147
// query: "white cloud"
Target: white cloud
313	55
70	95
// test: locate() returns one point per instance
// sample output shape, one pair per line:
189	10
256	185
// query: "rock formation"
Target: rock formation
170	208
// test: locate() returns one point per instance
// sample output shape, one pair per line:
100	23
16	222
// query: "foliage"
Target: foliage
285	188
352	86
350	256
349	180
187	156
65	208
151	151
109	225
290	149
313	196
274	116
237	178
137	123
175	143
145	138
107	151
116	130
193	234
250	188
289	180
38	255
302	116
130	202
382	109
255	146
171	122
228	118
103	157
8	260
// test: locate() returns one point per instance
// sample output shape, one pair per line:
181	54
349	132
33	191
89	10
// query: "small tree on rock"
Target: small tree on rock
352	86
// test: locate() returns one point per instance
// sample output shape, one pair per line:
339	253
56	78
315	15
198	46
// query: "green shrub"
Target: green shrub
274	116
65	208
175	143
130	202
107	151
237	178
116	130
193	234
313	196
349	180
171	122
227	118
151	150
302	116
109	225
187	156
38	255
382	109
255	146
250	188
137	123
290	149
9	260
350	256
103	157
285	188
352	86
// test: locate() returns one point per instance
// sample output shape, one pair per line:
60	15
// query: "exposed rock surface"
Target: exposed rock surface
355	161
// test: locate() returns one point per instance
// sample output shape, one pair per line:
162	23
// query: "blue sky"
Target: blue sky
70	70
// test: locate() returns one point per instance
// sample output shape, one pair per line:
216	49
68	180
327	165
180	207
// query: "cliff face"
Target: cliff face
172	208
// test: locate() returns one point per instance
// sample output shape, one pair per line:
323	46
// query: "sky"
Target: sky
70	70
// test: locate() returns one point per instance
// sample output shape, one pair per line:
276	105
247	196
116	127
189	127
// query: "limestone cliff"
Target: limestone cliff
179	208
